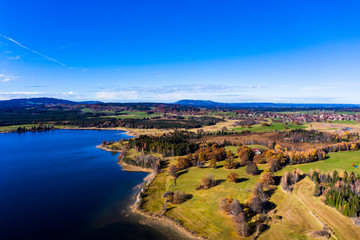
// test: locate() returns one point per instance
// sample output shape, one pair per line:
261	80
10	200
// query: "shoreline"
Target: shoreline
153	219
162	220
125	130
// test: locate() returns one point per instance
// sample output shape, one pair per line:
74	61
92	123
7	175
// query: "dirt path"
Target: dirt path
342	227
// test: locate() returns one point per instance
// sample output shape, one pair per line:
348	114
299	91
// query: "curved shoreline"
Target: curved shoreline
161	219
136	206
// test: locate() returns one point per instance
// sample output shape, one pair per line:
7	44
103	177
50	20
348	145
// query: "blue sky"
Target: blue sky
164	51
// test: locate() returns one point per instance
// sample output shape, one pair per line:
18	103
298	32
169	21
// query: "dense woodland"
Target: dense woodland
172	144
341	191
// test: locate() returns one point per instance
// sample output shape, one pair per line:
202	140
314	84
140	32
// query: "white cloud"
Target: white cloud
19	94
173	93
7	78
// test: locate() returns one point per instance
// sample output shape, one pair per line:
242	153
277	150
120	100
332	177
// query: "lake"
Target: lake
58	185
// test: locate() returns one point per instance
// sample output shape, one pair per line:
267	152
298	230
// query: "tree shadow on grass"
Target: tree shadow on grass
182	172
269	206
165	164
277	180
239	180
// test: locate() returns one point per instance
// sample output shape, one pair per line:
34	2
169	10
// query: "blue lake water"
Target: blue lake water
58	185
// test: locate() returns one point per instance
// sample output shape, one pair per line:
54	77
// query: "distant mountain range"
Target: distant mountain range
212	104
27	102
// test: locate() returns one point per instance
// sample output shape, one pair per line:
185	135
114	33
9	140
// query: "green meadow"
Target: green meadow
272	128
201	213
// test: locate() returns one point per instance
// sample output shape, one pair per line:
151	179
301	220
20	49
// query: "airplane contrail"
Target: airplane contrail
40	54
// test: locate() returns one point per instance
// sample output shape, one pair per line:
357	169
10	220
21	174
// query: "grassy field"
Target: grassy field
337	161
201	213
302	213
339	224
296	220
272	128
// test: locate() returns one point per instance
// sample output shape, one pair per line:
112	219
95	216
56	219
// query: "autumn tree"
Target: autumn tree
257	204
229	161
241	225
229	153
212	163
173	171
266	178
225	204
251	168
245	156
274	164
235	208
258	190
289	179
202	157
207	182
232	177
179	197
183	163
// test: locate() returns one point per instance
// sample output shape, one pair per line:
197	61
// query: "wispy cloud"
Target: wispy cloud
7	78
15	57
31	50
172	93
18	94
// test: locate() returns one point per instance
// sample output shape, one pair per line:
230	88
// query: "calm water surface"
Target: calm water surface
58	185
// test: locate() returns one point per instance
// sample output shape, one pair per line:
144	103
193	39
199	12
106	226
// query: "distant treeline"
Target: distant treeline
191	122
35	128
313	136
